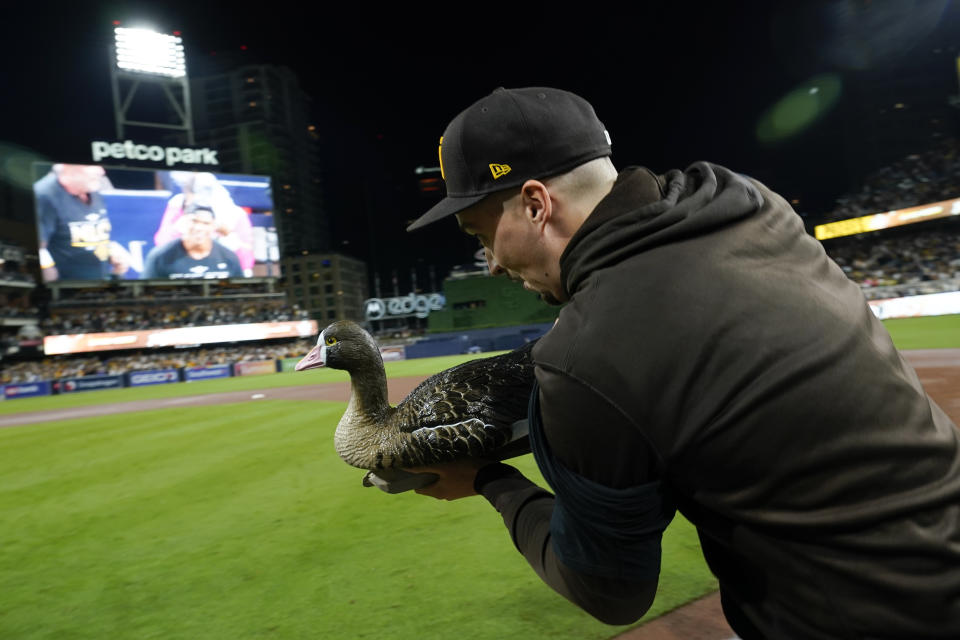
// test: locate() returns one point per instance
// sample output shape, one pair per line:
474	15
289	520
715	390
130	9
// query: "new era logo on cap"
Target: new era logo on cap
499	170
509	137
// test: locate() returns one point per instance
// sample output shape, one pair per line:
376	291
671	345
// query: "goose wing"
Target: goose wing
468	410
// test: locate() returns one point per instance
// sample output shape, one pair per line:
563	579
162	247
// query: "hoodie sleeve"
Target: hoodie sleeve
588	436
526	510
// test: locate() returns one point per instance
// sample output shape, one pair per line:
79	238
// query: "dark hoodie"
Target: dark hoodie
710	344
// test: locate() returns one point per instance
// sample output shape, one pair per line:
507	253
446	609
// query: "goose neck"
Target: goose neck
369	392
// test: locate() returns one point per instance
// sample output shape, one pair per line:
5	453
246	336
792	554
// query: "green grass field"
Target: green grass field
239	521
934	332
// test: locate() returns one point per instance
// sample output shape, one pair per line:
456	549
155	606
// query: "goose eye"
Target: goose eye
330	341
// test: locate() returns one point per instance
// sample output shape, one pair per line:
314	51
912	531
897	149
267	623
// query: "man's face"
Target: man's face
199	230
512	245
80	178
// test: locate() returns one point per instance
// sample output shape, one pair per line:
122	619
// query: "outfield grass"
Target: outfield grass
934	332
239	521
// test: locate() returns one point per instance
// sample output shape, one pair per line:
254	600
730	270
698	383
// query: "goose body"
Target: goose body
467	411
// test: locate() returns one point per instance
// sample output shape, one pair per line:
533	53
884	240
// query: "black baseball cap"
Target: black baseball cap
509	137
198	208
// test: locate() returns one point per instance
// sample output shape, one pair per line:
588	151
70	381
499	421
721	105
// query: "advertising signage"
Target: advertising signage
96	222
412	305
27	389
181	336
255	367
192	374
153	376
887	220
88	383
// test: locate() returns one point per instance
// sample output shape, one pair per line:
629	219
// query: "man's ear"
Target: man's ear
537	206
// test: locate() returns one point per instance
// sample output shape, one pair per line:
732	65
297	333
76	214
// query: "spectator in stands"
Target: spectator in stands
920	178
902	256
126	318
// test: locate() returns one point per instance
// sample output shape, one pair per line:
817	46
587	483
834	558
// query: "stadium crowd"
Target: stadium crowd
15	304
921	178
139	317
10	275
54	368
120	294
906	257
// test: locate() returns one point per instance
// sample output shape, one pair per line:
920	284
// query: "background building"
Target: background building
329	286
259	120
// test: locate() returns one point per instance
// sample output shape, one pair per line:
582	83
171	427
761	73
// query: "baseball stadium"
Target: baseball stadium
167	472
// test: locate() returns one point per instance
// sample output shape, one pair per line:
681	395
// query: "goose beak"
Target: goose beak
312	360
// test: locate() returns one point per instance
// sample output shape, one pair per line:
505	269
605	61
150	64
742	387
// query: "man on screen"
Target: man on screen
195	254
73	226
233	227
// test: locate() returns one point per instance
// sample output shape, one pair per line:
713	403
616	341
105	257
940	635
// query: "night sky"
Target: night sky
674	82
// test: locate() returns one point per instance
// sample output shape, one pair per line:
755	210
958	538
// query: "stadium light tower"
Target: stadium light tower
145	58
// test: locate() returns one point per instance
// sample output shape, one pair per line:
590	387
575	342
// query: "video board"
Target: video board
96	222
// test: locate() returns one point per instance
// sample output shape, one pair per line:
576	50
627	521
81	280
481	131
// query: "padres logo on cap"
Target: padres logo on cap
440	152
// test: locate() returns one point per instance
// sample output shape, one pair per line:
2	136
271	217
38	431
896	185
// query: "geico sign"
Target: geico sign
170	155
22	388
411	305
157	376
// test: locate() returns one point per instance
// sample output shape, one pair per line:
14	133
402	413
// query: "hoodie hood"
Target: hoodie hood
644	211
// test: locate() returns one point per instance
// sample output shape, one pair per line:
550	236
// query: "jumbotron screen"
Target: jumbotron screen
98	222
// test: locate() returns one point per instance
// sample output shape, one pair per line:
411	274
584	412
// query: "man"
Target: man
73	226
233	227
709	358
195	254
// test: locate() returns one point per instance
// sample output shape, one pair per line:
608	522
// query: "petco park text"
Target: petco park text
130	150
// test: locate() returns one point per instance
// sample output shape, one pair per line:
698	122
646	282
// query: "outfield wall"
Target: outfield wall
148	377
151	377
934	304
474	341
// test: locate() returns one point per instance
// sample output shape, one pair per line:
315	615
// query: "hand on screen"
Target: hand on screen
119	259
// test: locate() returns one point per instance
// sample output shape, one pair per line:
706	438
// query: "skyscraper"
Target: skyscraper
259	119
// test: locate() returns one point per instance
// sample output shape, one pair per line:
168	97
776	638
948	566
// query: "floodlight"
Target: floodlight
146	51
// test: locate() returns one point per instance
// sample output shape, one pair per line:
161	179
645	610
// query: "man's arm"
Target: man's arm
150	265
527	510
591	438
48	268
46	226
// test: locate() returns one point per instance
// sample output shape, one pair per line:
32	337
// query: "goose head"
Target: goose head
343	345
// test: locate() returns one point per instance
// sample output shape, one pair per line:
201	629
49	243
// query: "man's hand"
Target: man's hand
455	479
120	259
50	274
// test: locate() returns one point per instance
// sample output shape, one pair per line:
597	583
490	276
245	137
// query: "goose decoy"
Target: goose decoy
473	410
